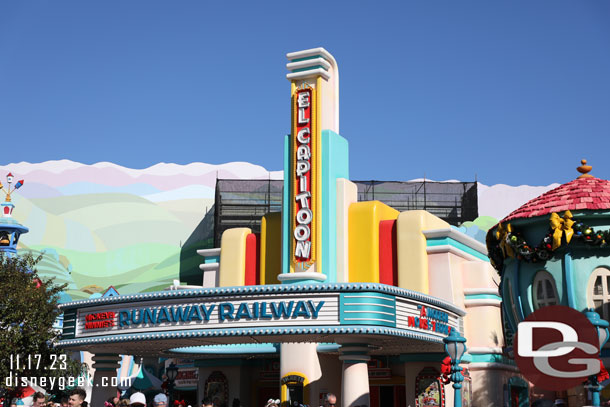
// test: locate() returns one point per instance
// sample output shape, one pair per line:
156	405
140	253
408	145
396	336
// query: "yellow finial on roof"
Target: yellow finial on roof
584	169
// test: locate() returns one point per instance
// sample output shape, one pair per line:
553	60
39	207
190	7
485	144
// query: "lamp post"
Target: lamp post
601	328
455	346
172	373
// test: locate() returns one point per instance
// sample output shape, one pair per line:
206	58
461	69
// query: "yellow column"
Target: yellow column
364	218
271	248
411	244
233	257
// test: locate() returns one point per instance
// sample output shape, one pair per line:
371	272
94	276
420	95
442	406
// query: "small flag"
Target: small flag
18	184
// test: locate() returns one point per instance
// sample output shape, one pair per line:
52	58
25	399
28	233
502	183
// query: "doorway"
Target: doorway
388	396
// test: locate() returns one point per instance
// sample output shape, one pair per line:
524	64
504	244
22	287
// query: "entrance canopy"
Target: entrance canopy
391	319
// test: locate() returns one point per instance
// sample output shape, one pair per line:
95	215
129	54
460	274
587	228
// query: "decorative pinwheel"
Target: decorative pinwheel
10	189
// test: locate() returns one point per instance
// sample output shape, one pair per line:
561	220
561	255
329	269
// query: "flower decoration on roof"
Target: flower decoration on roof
10	189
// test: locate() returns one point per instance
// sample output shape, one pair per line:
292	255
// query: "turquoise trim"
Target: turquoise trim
328	348
482	297
307	58
335	164
211	259
301	281
363	305
309	68
569	279
380	299
243	349
286	208
361	309
363	317
492	358
444	241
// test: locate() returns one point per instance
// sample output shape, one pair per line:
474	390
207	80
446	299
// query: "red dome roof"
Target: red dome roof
581	194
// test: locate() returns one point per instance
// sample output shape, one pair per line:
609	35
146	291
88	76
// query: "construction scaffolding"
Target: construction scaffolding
242	203
454	202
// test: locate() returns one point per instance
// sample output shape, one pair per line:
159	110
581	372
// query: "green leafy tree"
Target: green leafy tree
28	310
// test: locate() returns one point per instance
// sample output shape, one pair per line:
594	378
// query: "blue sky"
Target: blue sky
516	92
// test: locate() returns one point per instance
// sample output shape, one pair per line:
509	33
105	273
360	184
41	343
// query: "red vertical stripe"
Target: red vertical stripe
388	258
400	396
374	396
252	276
258	258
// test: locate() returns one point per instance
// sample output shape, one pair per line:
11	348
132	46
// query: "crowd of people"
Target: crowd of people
77	398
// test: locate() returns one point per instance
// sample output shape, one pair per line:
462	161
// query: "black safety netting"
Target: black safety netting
242	203
454	202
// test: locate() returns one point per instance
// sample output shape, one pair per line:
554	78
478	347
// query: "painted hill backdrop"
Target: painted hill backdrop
103	224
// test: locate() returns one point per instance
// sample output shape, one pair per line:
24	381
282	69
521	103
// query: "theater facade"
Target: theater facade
332	296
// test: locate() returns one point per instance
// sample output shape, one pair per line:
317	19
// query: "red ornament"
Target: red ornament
446	370
603	373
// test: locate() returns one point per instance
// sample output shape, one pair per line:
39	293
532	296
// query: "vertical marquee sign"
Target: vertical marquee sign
303	178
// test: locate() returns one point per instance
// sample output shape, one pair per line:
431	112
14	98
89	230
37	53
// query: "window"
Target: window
545	292
598	291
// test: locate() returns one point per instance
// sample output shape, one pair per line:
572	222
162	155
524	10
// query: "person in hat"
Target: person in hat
160	400
137	400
